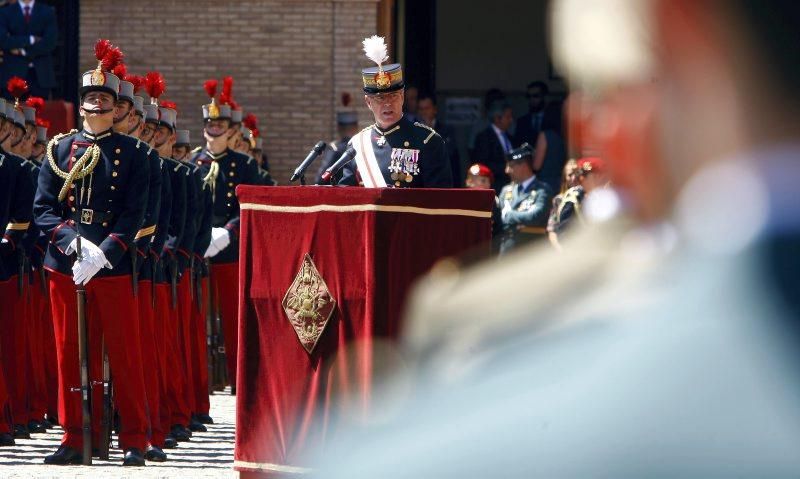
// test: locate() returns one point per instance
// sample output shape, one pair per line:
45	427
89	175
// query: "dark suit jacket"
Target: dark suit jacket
15	34
525	131
451	152
489	151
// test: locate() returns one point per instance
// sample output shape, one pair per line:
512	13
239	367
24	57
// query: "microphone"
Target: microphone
346	158
312	155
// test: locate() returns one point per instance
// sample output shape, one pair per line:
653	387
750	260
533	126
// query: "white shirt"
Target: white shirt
504	141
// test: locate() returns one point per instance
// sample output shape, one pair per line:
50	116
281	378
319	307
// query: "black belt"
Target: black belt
88	216
220	220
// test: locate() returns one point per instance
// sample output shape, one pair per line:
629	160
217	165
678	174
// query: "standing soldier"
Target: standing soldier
16	314
224	169
394	151
94	186
346	127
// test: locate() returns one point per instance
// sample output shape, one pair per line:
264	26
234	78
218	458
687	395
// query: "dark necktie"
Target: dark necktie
27	10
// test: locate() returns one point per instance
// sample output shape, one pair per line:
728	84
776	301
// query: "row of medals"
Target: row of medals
397	176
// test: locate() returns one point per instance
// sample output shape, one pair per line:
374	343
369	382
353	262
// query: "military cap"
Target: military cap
138	105
479	169
245	132
182	138
586	165
381	78
101	78
259	144
19	118
126	91
214	110
523	153
30	114
41	134
344	118
167	117
236	116
151	113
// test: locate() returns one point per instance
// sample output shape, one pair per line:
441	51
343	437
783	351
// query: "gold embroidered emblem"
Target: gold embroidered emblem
213	110
98	78
308	304
383	80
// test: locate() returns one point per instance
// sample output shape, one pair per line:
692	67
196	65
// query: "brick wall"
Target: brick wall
290	59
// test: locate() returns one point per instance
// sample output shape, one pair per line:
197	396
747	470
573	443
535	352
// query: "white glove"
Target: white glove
506	210
211	251
83	271
220	238
90	251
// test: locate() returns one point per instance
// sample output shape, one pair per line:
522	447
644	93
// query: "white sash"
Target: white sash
366	162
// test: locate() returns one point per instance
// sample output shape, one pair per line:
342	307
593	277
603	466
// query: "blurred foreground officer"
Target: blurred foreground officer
524	203
95	182
394	151
652	351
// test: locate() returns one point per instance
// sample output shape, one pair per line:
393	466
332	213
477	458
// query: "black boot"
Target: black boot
204	419
170	442
196	426
180	433
233	390
64	456
36	427
133	457
21	432
6	439
155	454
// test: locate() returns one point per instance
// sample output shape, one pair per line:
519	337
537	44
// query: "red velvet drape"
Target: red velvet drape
368	245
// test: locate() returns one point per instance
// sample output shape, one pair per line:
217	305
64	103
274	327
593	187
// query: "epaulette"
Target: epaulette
249	159
197	150
2	159
433	132
332	144
572	195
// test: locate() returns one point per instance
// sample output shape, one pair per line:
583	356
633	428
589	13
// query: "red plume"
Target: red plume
227	88
121	71
234	105
137	81
37	103
250	122
101	49
17	87
210	87
154	84
112	59
169	104
255	132
42	122
224	99
346	99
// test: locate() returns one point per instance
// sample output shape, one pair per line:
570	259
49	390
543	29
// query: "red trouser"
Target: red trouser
176	374
225	286
5	414
185	319
151	361
200	353
161	322
14	324
111	315
39	322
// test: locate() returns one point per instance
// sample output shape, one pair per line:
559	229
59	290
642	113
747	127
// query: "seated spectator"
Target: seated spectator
493	144
569	180
525	203
593	179
548	162
480	177
426	113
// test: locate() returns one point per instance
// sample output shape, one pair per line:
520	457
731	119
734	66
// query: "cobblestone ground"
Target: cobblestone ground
209	454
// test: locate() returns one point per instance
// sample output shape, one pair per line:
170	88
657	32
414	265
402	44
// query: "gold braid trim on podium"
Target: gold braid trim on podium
78	170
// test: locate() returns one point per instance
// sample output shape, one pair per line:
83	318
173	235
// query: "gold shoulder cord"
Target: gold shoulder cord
78	170
211	178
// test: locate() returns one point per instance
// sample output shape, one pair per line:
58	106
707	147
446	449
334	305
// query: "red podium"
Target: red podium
324	273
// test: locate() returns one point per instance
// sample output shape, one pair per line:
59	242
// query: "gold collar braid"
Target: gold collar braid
211	178
79	169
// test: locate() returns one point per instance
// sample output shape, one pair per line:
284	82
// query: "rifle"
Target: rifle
154	268
105	423
215	340
83	359
21	272
133	251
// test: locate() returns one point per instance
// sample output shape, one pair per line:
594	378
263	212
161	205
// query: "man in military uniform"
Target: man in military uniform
223	170
393	151
16	319
95	183
524	203
346	127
